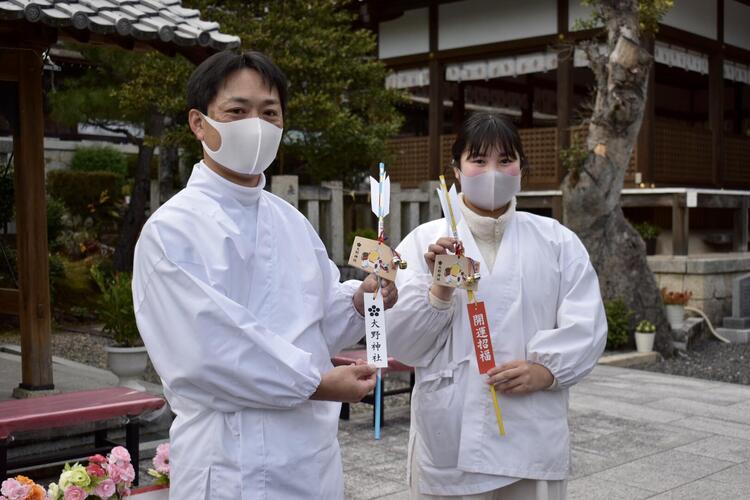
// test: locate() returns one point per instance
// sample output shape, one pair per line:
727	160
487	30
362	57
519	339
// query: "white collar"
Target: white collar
205	178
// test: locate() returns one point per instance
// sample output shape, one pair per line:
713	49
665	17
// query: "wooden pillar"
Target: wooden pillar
645	147
738	111
680	225
527	112
564	86
437	78
716	101
31	219
459	108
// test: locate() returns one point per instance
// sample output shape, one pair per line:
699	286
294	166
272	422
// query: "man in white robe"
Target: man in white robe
241	309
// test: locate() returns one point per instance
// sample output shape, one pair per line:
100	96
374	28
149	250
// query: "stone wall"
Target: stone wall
708	276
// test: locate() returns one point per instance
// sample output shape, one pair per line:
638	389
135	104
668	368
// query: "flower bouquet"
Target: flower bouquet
21	488
107	478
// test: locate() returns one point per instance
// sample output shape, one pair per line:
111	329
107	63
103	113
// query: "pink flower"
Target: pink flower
121	473
119	455
95	470
75	493
161	459
97	459
105	489
14	490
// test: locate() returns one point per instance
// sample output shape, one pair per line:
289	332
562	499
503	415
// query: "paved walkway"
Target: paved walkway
635	435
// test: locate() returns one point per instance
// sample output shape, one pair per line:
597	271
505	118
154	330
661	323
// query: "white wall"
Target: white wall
408	34
736	24
695	16
477	22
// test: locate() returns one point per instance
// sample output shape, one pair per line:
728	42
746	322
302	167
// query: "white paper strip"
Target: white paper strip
377	350
454	204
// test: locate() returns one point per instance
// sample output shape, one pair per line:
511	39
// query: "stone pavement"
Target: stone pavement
635	435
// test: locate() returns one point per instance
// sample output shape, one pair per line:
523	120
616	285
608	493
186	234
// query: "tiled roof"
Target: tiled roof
165	20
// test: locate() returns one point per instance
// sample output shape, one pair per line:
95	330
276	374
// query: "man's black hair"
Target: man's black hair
482	132
208	77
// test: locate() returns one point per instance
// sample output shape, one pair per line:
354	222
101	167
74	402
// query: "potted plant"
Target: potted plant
645	332
128	357
675	303
649	233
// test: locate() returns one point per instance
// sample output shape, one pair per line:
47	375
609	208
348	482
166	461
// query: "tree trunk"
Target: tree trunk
591	194
135	216
168	166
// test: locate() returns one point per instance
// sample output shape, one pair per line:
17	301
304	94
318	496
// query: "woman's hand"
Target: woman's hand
440	247
520	377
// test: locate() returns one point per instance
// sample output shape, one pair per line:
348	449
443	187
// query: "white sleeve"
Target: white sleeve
571	350
417	329
210	349
342	325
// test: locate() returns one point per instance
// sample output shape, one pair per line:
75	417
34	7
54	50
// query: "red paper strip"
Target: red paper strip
480	331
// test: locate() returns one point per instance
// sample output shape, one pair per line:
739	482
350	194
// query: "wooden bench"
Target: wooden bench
70	409
349	357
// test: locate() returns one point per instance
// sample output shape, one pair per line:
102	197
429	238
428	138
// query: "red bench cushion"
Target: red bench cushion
349	357
72	408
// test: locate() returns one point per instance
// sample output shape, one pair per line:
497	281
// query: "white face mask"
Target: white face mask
248	146
490	190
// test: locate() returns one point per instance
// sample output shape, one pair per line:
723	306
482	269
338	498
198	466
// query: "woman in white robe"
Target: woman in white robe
546	320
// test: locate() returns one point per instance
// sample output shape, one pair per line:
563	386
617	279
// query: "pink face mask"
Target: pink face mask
490	190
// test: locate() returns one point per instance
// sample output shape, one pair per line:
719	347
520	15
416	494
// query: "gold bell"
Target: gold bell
473	278
398	262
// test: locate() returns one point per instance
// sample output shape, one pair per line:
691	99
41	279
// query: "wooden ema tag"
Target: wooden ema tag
453	271
480	331
373	257
377	350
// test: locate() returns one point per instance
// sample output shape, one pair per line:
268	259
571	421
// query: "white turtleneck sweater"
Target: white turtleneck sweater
488	234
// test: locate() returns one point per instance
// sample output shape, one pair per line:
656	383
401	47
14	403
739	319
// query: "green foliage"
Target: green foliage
96	159
115	307
650	12
83	191
365	232
618	323
339	112
647	231
55	214
645	326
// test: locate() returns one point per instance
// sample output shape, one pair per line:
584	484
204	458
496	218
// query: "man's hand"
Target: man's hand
520	377
389	291
348	384
440	247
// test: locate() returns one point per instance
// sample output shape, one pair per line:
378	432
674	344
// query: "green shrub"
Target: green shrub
99	159
79	190
645	326
365	232
55	214
647	231
618	323
116	307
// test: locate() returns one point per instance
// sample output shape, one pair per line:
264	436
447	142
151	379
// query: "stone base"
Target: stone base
693	330
630	358
735	336
736	323
21	393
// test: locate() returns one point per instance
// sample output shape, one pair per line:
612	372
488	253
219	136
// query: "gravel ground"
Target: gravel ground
711	360
80	343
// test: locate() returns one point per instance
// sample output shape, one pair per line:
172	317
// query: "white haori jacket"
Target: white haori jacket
241	309
543	305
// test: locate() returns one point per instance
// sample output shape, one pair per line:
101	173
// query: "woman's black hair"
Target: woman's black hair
482	132
206	79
